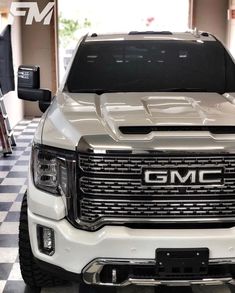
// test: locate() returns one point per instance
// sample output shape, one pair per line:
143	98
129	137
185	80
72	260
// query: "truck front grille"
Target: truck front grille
112	189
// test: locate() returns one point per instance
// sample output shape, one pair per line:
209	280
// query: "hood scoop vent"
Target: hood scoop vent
143	130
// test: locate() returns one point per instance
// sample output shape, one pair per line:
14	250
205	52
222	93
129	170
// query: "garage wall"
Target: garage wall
36	39
211	15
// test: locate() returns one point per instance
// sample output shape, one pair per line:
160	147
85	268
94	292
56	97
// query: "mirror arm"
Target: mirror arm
34	95
43	106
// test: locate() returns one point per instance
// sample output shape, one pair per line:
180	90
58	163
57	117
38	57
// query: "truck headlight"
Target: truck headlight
50	169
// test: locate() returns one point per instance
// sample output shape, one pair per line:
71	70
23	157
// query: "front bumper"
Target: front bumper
76	249
92	274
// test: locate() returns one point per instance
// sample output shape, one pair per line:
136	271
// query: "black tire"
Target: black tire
232	288
32	274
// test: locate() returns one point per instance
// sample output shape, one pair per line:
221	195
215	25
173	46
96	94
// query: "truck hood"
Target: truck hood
73	116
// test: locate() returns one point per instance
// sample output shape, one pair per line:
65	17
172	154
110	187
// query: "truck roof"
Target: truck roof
151	35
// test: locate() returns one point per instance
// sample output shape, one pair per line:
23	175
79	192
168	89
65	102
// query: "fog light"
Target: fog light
46	240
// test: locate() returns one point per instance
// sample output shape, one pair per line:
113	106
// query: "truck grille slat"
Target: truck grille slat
89	163
93	211
135	187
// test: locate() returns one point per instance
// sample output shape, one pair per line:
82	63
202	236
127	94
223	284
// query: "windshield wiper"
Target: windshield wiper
183	90
95	91
103	91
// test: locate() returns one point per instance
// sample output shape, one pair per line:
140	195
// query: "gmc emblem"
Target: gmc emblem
184	177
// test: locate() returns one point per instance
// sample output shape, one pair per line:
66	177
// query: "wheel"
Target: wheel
232	288
34	277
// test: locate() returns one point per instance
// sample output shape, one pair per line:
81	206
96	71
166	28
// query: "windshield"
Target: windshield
152	66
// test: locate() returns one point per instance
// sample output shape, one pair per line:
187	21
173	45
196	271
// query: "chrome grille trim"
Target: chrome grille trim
111	190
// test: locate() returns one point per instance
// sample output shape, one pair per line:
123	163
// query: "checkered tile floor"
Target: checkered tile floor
13	178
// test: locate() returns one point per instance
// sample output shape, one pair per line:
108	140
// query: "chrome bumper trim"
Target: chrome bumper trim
91	274
122	221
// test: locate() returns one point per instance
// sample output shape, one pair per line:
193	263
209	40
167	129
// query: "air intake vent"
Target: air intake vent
148	129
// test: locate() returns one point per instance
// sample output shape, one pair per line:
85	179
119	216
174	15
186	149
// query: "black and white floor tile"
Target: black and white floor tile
13	180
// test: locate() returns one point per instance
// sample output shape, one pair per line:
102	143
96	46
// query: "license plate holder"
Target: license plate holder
182	262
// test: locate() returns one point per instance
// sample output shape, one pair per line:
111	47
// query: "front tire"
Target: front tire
32	274
34	277
232	288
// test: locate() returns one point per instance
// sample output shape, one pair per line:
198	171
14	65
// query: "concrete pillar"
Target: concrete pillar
37	49
211	16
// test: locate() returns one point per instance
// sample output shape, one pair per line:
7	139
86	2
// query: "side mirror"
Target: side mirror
29	87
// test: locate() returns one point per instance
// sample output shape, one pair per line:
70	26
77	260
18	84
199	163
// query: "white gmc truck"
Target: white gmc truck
132	172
